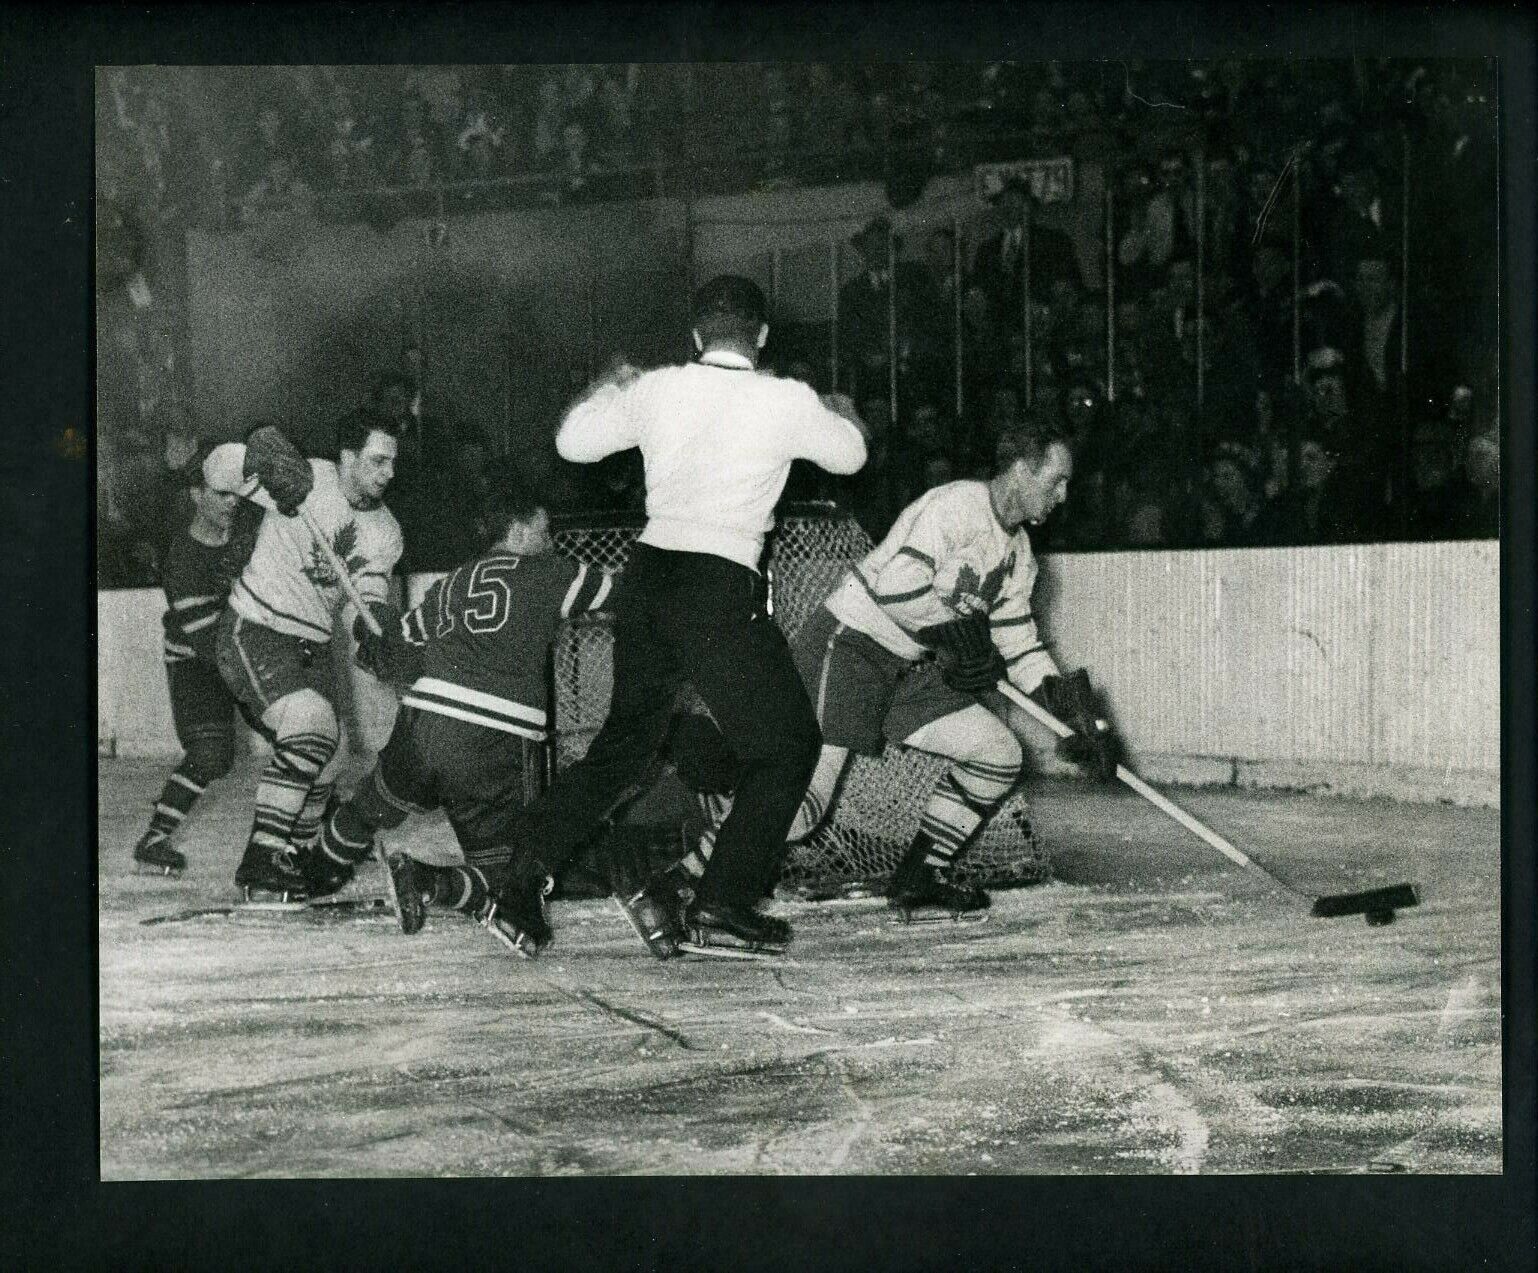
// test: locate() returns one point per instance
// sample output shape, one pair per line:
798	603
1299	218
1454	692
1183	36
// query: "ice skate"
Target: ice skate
515	913
155	853
322	875
732	932
921	892
652	909
270	877
406	894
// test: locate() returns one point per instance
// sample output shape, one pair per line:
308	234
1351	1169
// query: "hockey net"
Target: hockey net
880	801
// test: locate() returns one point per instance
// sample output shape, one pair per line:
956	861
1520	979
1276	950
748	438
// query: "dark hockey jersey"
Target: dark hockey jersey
484	631
197	581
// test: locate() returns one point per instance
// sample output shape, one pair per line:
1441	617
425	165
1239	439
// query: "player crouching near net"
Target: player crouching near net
201	564
904	648
474	653
718	438
273	642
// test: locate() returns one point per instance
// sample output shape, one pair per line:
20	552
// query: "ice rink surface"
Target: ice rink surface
1152	1010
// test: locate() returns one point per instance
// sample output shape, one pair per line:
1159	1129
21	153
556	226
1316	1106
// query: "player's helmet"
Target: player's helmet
733	298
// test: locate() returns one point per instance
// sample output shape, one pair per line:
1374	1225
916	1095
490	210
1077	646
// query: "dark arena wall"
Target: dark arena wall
508	308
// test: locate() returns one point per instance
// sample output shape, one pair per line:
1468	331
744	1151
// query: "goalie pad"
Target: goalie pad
279	466
965	653
1093	745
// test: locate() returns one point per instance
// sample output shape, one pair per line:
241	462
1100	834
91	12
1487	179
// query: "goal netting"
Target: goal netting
880	802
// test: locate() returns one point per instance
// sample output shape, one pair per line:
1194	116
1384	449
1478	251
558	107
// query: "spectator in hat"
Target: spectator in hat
1000	263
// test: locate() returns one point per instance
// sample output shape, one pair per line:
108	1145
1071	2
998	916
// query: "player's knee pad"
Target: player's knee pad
209	758
305	736
993	744
973	735
304	712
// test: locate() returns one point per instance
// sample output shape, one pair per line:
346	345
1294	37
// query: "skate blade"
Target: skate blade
391	894
273	905
748	954
154	868
903	919
520	946
724	946
661	943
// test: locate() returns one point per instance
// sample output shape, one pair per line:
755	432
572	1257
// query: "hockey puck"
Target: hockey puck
1379	918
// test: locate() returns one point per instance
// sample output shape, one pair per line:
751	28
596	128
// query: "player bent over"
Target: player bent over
474	652
202	562
273	643
904	648
718	439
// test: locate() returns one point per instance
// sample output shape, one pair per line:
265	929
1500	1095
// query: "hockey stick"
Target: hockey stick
340	570
335	562
1377	904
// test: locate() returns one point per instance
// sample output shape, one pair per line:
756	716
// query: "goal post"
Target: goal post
880	800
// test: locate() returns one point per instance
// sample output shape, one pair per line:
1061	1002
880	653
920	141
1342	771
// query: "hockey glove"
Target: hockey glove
964	649
1093	746
388	656
276	462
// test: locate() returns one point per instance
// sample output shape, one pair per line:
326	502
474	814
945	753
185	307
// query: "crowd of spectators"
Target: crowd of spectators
1239	404
243	140
1320	439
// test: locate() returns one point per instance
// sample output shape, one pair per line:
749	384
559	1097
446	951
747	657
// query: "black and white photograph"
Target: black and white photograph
799	618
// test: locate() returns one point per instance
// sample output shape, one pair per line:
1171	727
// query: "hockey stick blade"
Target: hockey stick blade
944	917
1395	897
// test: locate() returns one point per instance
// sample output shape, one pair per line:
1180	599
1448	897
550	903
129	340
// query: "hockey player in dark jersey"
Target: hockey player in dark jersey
474	653
203	560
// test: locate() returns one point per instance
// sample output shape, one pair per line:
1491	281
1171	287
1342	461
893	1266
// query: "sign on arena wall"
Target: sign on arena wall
1051	180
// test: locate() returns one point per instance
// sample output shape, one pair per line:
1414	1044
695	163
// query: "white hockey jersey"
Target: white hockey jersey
289	586
946	556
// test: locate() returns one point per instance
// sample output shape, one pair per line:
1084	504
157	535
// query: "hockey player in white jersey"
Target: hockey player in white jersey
915	634
272	643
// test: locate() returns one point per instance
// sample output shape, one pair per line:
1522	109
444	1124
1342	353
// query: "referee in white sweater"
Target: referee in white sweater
718	438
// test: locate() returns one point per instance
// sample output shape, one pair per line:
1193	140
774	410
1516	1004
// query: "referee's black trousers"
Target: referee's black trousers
699	619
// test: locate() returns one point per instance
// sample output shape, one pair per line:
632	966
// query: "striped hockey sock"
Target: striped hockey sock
459	888
176	800
345	838
967	793
285	783
307	824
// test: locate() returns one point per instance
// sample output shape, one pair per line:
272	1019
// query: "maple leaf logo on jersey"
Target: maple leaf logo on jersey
343	542
973	595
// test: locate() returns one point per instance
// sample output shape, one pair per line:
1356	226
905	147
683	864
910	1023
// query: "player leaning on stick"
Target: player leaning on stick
914	635
718	439
202	562
474	653
273	639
